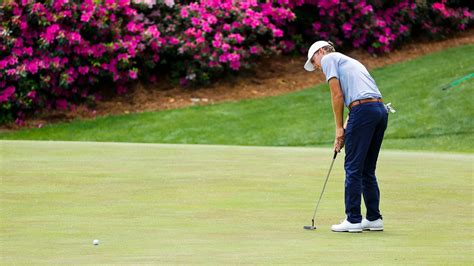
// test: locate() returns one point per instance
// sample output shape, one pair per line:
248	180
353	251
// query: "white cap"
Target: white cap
312	50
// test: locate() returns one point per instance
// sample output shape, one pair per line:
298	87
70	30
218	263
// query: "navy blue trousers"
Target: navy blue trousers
363	138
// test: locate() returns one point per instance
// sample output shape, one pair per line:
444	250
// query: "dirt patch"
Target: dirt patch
271	76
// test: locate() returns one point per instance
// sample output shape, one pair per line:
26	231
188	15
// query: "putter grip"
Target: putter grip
335	155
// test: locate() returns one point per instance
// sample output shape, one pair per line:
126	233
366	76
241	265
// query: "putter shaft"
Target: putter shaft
324	187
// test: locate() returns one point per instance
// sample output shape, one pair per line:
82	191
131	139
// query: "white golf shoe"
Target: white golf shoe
346	226
376	225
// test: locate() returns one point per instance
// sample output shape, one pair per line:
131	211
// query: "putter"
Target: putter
312	227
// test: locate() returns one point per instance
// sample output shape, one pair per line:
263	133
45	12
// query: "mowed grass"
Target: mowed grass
193	204
428	117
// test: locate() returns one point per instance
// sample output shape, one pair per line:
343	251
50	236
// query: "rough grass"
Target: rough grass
195	204
428	117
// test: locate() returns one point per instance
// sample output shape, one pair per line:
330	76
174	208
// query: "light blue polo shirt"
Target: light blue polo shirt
356	82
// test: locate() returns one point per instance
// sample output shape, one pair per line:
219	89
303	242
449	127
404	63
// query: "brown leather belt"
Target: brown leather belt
357	102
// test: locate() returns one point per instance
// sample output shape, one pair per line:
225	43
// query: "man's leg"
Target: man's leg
359	132
370	187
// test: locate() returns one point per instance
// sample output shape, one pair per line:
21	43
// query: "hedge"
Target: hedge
57	54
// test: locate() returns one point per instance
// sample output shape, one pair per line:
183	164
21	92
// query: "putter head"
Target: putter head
309	227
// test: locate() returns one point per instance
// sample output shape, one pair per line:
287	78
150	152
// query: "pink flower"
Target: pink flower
205	27
28	51
223	58
23	25
11	72
173	41
134	27
6	94
346	27
211	19
98	50
441	8
234	57
253	23
236	24
132	74
438	6
169	3
74	37
61	104
200	40
153	31
184	13
254	50
12	60
383	39
85	17
32	66
31	94
83	70
59	3
225	47
287	45
216	43
20	122
66	14
403	28
235	65
183	82
237	37
367	9
50	33
122	57
37	7
277	33
195	21
381	23
213	64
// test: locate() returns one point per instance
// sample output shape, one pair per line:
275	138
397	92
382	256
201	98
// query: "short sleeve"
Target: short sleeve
329	67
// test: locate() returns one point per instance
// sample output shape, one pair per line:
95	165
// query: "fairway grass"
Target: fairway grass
427	118
192	204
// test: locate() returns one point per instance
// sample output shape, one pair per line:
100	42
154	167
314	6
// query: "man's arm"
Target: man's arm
338	109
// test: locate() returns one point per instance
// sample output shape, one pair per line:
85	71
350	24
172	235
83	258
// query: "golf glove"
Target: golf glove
389	108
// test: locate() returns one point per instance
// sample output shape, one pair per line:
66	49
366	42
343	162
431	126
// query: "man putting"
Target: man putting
351	85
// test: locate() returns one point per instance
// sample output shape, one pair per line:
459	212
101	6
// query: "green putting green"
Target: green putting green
194	204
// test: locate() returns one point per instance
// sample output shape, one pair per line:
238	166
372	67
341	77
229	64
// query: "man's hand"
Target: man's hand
339	140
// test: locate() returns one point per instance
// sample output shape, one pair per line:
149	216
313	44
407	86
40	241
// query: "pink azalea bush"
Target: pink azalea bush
439	18
56	54
374	26
206	38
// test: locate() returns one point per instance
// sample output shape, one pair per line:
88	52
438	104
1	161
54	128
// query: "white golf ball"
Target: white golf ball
95	242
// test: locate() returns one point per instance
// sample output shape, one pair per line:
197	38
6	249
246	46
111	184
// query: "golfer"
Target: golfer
362	133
